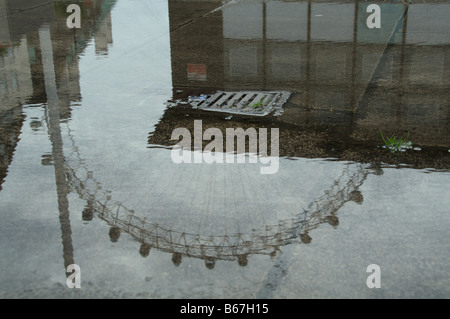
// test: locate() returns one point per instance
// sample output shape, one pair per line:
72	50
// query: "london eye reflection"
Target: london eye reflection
237	247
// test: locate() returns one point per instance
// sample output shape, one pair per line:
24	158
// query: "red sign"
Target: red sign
196	72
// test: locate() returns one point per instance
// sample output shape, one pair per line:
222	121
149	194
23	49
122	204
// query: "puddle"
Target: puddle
88	174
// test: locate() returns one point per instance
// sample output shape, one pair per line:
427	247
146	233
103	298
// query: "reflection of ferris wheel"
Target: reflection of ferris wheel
236	246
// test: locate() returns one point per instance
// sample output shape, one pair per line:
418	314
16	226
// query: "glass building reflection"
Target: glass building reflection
398	75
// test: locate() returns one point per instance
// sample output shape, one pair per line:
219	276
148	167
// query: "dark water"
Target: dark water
87	176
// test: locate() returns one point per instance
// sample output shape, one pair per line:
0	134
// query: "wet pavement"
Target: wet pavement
88	177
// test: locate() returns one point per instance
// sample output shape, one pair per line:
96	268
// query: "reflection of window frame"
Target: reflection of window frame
237	19
436	73
293	70
248	69
4	88
277	30
338	59
14	81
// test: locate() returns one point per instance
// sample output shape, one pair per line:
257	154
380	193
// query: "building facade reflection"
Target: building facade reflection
20	52
324	53
21	63
39	65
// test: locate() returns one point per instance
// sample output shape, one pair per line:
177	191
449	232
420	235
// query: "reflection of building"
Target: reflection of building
15	77
10	127
103	35
297	46
395	78
20	53
4	26
21	63
197	53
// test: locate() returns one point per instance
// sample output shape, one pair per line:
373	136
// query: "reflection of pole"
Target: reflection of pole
402	52
308	56
54	131
354	57
264	45
446	83
400	84
354	103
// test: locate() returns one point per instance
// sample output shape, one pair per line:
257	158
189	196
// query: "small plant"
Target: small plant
257	105
395	144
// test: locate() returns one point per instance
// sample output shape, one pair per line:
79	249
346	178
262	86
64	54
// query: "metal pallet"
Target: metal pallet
258	103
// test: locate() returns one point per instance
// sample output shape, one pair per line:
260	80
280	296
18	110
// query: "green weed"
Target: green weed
257	105
396	144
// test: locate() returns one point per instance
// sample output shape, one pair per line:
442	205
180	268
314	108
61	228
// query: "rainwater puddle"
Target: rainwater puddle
105	165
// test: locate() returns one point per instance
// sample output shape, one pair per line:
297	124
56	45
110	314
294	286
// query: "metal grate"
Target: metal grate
257	103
